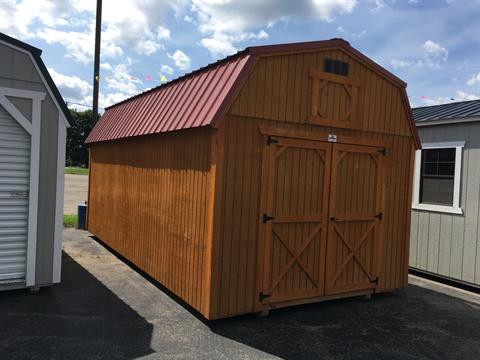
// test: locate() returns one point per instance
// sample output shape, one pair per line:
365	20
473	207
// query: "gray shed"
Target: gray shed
445	227
33	122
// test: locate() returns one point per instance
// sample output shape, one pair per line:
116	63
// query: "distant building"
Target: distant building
445	229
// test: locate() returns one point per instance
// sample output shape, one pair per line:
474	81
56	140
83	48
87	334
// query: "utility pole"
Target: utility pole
96	65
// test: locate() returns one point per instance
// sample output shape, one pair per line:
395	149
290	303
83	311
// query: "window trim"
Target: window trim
455	208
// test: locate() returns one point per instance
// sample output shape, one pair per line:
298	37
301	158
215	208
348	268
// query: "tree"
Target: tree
77	151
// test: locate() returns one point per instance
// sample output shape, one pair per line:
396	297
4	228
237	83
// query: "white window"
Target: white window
438	169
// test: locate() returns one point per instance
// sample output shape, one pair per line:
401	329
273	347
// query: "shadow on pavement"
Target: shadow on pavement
79	318
414	323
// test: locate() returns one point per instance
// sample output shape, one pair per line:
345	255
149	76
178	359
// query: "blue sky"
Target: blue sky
433	45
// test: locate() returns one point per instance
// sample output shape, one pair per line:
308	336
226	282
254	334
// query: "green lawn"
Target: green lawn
69	220
76	170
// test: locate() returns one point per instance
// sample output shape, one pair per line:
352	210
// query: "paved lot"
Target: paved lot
103	309
76	191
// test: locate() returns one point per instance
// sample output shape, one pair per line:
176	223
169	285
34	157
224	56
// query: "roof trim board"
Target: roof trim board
451	121
35	56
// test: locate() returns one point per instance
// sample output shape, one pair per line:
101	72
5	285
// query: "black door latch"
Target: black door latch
267	218
262	296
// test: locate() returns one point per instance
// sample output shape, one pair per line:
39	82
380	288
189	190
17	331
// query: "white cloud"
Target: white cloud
460	96
398	64
110	99
166	70
221	44
379	5
435	51
73	89
343	31
182	61
121	80
126	24
70	86
433	56
189	19
163	33
17	17
226	23
78	92
106	66
474	79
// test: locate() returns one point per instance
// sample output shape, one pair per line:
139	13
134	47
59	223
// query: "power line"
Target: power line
75	103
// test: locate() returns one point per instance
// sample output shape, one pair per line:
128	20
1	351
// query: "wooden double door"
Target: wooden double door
321	217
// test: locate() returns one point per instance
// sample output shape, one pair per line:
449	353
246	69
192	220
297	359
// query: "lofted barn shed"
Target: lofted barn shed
277	176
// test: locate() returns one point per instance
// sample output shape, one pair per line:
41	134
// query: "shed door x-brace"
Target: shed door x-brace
321	216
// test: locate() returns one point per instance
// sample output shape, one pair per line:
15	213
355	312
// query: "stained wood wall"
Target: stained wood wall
277	94
158	200
150	200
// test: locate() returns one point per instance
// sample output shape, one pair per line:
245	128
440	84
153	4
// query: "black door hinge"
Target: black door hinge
379	216
375	281
262	296
383	151
271	140
267	218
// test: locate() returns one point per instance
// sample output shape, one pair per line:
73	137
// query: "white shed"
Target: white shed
33	122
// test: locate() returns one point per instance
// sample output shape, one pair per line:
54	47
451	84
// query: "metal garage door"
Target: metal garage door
14	185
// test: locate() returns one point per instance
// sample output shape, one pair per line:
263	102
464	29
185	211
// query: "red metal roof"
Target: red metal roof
191	101
201	97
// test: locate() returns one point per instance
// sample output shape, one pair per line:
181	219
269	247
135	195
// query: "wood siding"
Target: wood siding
448	244
150	200
279	88
236	224
158	200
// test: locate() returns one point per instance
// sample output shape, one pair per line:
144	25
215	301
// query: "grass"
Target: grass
76	170
69	220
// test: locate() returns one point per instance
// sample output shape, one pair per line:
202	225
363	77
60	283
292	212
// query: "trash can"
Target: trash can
81	216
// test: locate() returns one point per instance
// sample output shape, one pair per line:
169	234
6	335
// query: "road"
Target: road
76	191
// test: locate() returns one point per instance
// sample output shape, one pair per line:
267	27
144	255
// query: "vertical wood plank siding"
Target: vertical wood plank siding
150	200
185	206
233	284
449	244
277	94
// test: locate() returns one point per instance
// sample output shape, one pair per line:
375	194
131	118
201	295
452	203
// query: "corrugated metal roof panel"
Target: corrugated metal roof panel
455	110
192	102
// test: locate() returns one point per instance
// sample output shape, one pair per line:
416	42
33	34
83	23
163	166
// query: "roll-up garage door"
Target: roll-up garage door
14	186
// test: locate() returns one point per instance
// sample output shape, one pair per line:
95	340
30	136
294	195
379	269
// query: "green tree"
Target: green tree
77	151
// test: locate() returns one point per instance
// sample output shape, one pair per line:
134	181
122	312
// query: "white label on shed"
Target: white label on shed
332	138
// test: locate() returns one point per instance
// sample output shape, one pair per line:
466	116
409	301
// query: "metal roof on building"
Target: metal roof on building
446	112
201	97
190	101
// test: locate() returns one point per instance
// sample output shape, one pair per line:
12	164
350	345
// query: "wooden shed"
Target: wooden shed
280	175
33	122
